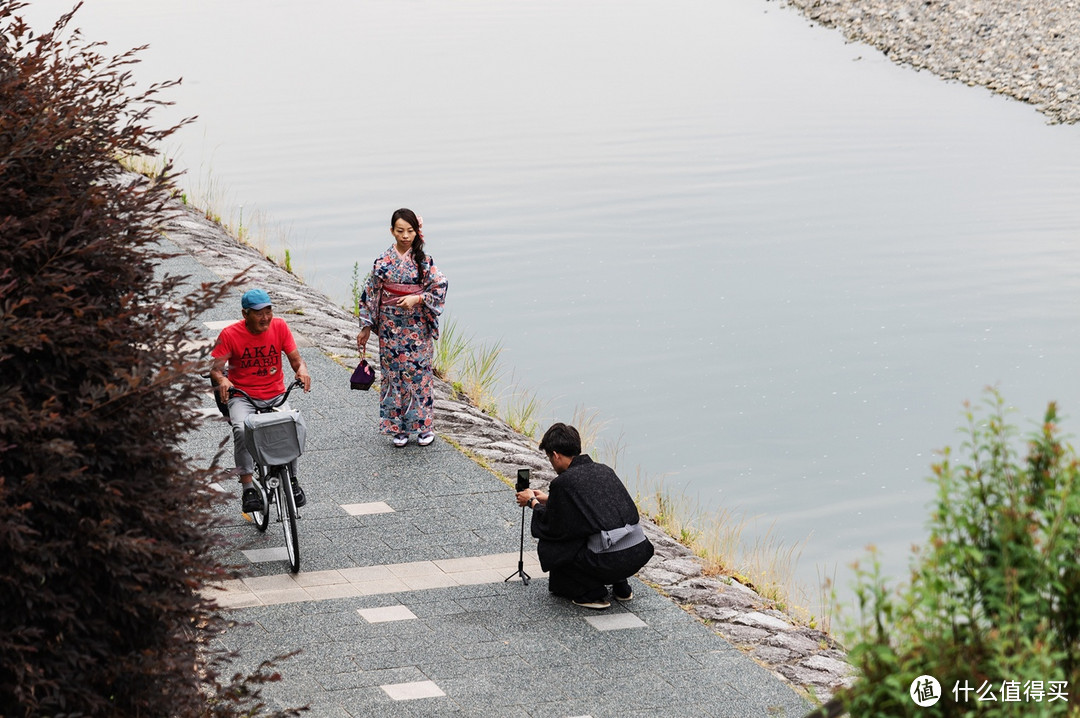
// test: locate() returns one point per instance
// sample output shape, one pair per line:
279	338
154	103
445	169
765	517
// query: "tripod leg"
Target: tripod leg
521	555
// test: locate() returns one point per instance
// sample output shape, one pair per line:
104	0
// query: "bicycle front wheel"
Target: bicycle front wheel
261	519
287	511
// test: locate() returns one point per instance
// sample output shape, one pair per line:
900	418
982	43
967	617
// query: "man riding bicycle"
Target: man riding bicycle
251	349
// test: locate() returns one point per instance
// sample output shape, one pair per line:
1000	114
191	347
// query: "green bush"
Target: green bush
105	537
993	602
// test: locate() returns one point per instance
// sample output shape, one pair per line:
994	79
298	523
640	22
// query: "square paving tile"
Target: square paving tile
363	574
420	583
265	555
387	613
319	578
615	621
292	595
275	582
375	507
333	590
414	569
390	585
457	565
412	691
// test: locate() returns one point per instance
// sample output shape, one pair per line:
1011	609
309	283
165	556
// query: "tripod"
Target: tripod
522	484
521	555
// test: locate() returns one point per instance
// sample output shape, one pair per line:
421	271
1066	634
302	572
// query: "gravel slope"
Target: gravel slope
1027	49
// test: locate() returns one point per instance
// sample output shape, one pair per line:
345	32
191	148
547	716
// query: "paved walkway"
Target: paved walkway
401	607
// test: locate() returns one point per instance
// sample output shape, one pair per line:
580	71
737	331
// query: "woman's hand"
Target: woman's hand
411	301
361	340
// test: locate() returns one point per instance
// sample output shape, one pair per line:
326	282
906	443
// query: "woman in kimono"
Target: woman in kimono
403	298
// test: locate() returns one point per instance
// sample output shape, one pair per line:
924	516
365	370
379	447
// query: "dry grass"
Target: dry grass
720	538
212	200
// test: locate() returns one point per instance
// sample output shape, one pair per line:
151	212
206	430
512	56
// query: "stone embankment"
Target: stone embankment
1026	49
808	658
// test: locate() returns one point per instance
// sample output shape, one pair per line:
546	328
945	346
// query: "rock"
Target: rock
691	595
771	654
803	676
760	620
741	635
712	613
659	576
793	642
683	566
729	598
828	665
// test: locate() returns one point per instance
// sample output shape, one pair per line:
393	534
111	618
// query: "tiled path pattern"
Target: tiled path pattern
367	580
401	607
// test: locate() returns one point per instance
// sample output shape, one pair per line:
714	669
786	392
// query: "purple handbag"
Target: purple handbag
363	377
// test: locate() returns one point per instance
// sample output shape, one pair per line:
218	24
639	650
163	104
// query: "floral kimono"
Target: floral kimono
405	338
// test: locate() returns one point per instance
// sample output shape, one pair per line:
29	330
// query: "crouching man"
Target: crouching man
587	526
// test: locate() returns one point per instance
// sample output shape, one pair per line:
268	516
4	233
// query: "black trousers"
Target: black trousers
589	574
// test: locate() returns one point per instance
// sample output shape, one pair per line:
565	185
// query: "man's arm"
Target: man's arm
300	368
221	382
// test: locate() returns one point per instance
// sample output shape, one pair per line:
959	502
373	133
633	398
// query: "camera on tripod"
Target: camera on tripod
521	485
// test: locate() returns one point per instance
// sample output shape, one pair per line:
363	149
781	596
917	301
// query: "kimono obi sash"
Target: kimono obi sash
616	539
391	293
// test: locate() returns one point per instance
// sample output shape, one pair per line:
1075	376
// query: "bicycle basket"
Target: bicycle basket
275	438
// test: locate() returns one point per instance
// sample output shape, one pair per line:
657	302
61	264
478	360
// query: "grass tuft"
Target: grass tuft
450	347
521	411
589	425
765	563
480	374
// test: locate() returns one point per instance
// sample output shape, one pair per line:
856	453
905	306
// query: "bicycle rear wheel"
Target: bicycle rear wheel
287	512
261	519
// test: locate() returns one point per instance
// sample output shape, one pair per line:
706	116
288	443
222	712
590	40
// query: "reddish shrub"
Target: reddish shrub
104	539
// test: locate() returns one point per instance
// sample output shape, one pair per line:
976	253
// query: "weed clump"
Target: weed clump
992	610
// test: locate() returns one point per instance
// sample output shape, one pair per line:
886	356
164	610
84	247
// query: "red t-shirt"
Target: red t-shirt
255	359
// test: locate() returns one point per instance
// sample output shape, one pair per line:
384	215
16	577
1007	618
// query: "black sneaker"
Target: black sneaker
252	500
298	494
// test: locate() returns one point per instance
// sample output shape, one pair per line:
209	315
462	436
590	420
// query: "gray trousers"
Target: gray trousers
240	408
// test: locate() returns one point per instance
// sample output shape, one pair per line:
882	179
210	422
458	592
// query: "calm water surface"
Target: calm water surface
774	262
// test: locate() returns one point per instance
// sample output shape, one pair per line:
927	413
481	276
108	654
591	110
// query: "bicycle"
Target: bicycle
275	439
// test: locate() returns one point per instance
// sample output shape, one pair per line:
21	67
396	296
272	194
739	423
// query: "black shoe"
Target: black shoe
622	592
298	494
252	500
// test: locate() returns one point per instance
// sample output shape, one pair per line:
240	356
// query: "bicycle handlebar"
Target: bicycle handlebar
278	400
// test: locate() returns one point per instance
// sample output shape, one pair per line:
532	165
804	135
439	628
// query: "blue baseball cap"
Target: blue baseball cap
255	299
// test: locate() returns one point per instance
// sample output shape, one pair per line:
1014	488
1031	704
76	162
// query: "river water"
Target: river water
775	263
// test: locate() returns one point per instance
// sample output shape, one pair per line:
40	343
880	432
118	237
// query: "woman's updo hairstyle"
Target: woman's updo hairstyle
418	241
